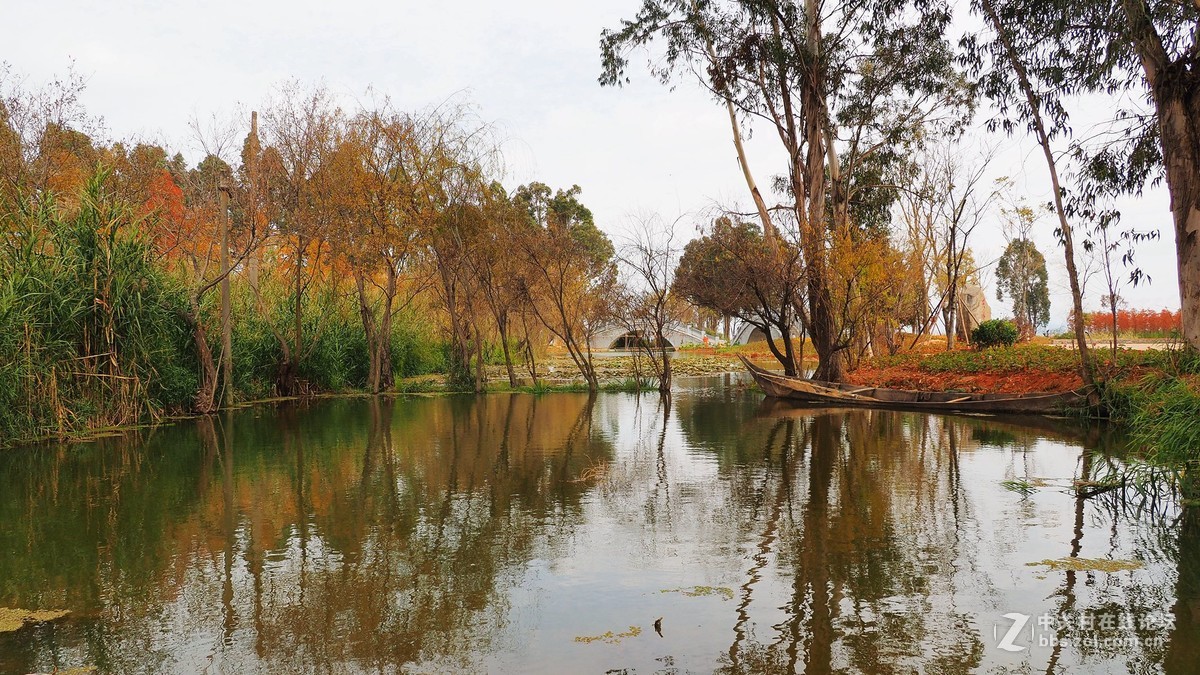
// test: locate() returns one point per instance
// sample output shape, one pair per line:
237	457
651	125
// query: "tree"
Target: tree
190	209
39	128
302	130
943	209
1133	51
734	270
451	190
844	86
650	256
1012	79
499	274
570	269
1021	274
376	183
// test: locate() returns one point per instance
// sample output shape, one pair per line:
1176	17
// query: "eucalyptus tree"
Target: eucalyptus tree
1030	96
1145	56
845	85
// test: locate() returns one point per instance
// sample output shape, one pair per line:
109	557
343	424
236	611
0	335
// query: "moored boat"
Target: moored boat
842	394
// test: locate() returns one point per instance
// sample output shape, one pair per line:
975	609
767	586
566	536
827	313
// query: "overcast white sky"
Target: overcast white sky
530	66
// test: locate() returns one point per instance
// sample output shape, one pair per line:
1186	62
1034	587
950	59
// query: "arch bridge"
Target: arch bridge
613	336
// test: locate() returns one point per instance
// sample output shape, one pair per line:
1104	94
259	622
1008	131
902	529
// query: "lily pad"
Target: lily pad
1090	564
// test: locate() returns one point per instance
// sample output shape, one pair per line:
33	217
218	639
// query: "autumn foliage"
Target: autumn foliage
1141	322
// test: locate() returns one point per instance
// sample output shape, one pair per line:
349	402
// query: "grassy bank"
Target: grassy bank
1154	394
1161	409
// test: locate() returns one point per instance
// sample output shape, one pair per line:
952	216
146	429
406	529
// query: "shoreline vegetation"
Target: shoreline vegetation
370	249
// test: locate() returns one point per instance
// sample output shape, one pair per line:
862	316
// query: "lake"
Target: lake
562	533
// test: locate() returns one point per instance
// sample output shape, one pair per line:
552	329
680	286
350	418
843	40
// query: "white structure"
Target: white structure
612	336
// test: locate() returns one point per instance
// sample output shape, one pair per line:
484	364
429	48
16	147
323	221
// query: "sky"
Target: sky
530	67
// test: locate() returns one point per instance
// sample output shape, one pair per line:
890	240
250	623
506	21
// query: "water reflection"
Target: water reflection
534	533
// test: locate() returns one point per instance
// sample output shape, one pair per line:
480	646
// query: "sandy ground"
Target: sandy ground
1136	345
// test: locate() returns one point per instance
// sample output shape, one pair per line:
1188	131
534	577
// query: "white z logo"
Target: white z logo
1006	643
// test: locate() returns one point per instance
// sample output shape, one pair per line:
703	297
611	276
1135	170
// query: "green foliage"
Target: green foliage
336	354
1018	358
90	328
995	333
716	270
563	210
1161	411
92	332
1022	487
1021	274
416	349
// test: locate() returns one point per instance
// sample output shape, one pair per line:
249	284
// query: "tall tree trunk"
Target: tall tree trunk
1085	361
821	175
951	289
1175	86
369	329
502	328
226	309
384	377
950	312
206	392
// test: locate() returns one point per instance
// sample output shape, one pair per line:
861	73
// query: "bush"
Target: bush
994	333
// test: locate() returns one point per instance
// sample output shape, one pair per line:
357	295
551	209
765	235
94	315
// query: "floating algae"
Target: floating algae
14	619
1090	564
610	637
699	591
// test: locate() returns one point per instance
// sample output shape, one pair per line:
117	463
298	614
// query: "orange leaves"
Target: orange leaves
165	202
1137	321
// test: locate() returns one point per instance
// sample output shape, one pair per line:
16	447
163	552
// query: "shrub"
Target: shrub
994	333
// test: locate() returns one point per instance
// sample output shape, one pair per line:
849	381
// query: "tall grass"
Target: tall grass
1162	412
92	330
89	334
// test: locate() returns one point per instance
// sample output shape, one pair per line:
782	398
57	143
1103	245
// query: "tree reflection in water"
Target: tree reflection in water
489	533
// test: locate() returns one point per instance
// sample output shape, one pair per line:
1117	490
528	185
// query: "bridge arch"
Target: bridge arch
749	333
633	339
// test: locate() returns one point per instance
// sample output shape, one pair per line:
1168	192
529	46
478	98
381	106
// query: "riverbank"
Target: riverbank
1153	394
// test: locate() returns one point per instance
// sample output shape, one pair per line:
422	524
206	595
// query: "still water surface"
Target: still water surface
525	534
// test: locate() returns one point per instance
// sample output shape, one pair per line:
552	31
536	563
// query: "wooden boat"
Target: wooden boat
842	394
